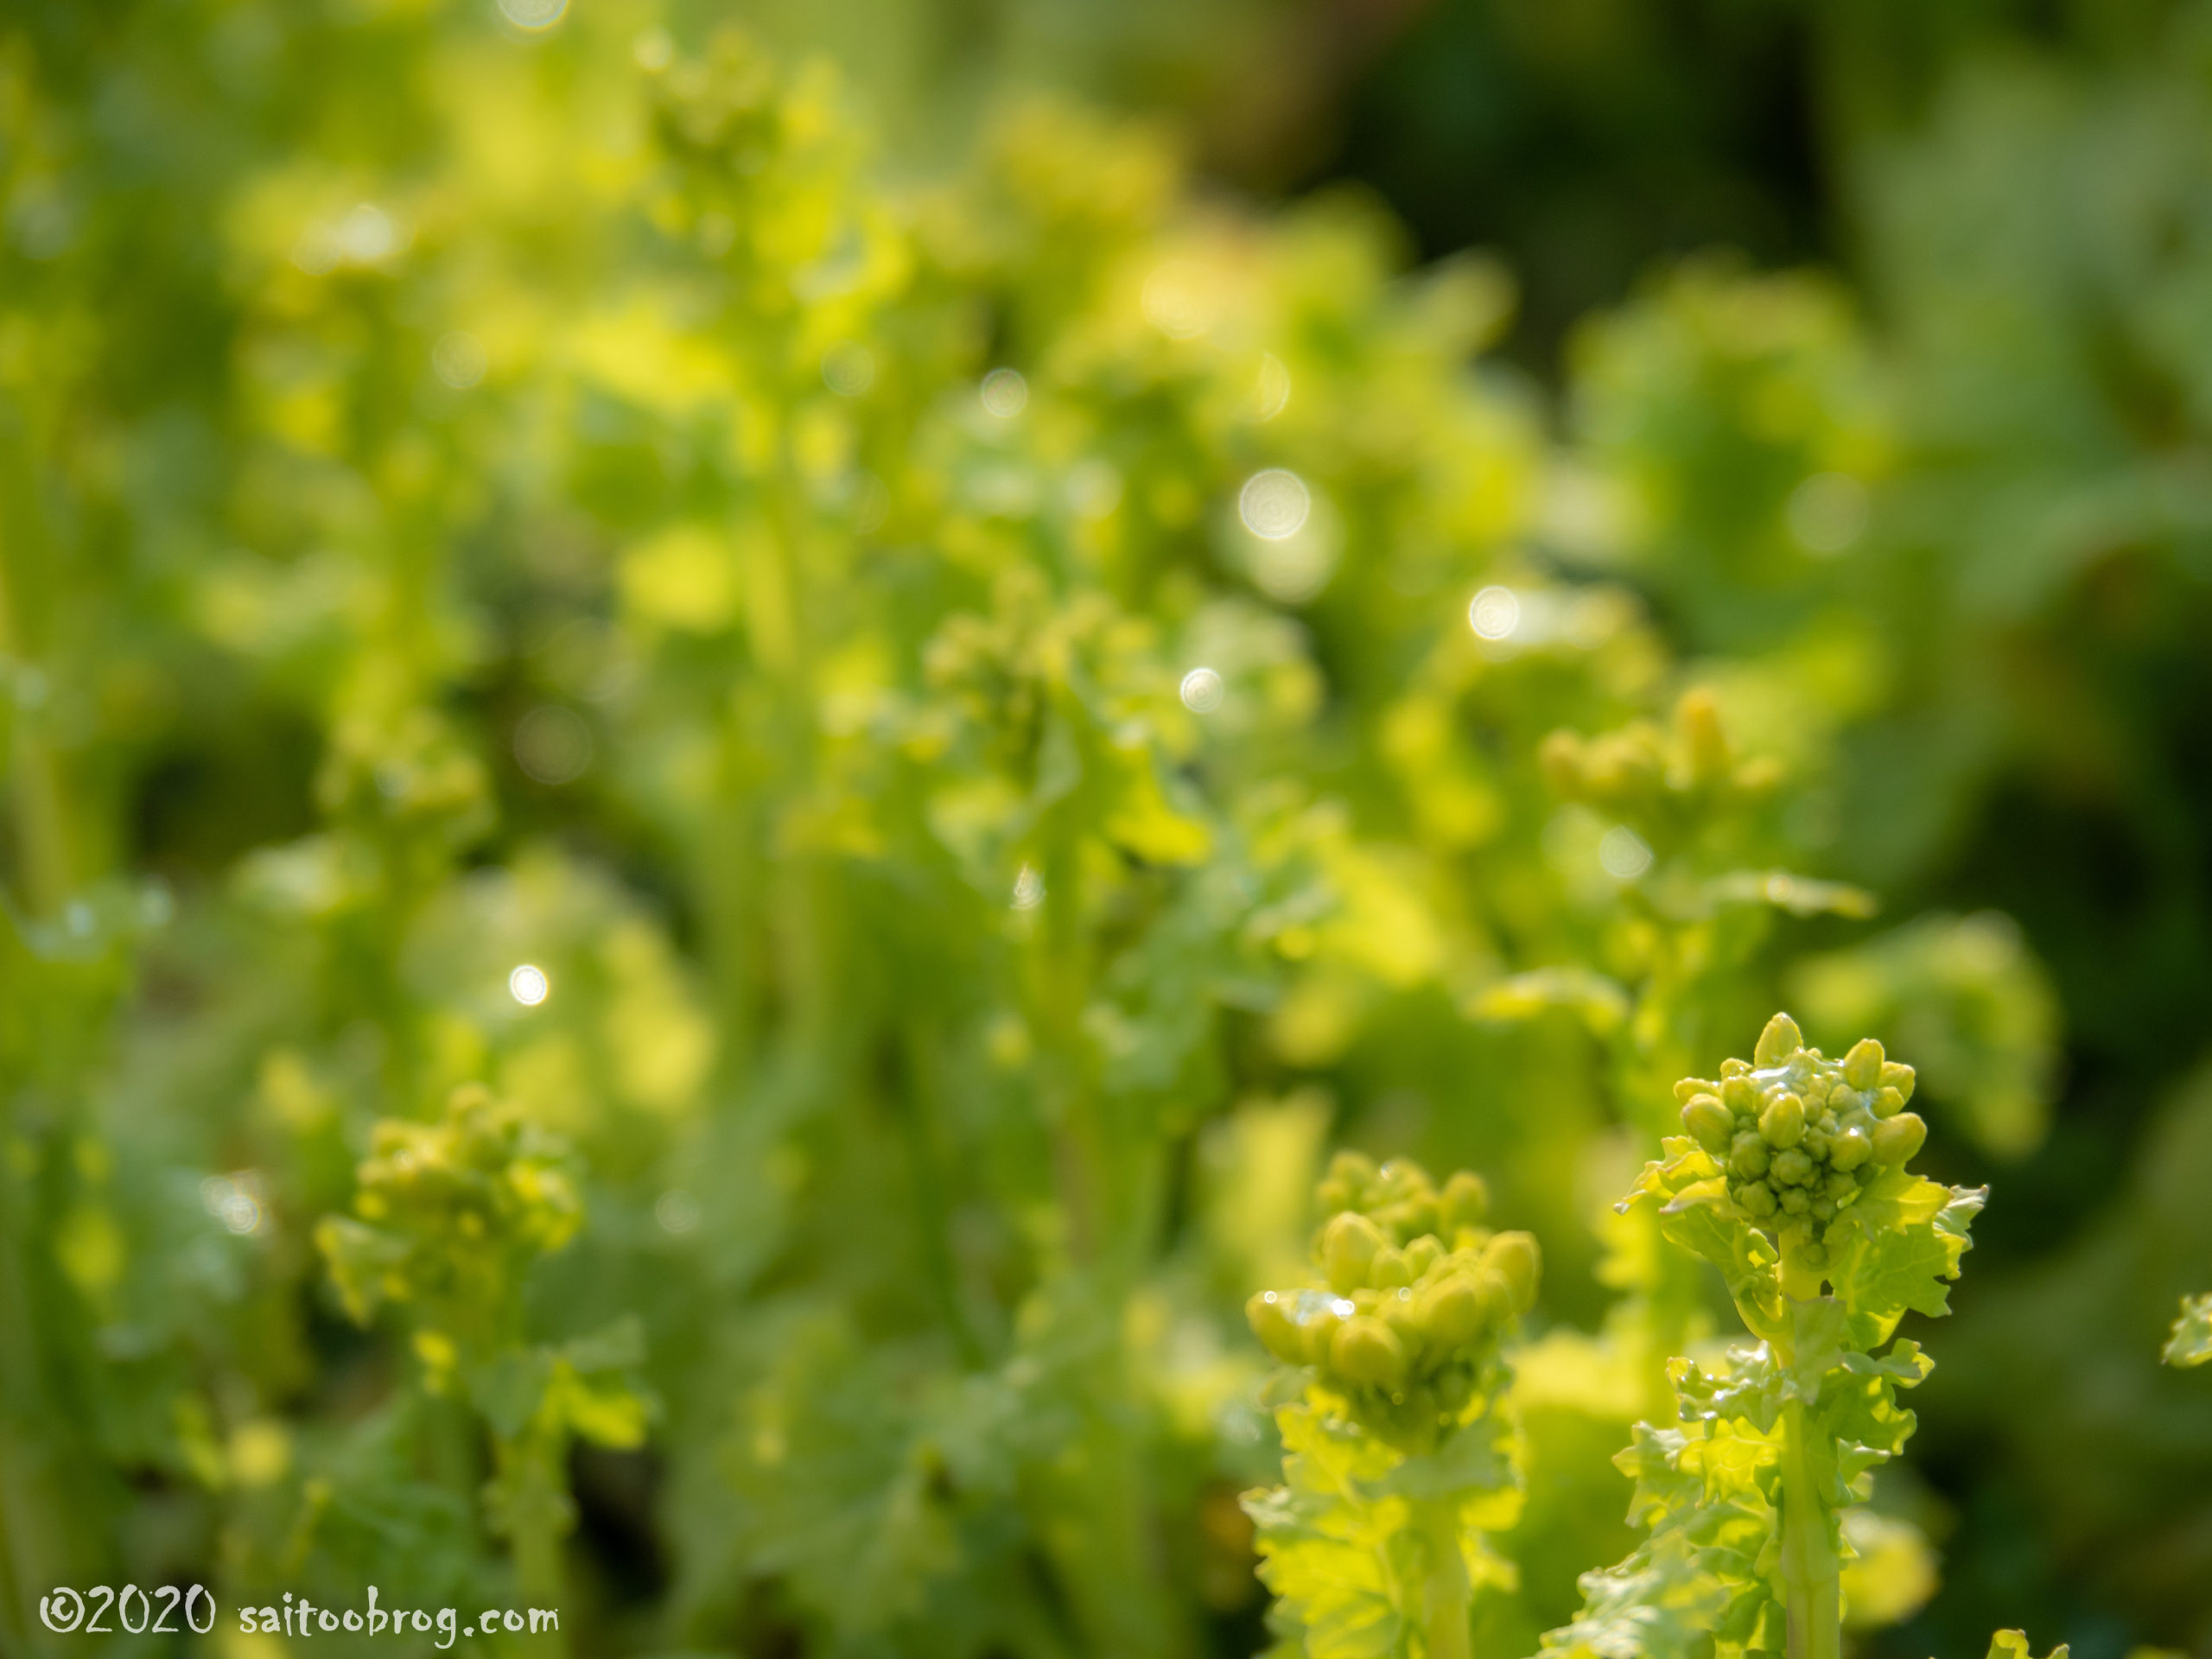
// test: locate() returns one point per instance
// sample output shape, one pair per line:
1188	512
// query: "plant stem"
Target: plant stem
540	1515
1448	1595
1812	1589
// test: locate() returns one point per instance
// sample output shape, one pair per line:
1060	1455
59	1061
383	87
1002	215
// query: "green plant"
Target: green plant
1793	1182
451	1215
2192	1341
1002	712
1400	1454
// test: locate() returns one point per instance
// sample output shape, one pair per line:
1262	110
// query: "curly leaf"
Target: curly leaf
1903	1241
1707	1496
2192	1341
1696	1213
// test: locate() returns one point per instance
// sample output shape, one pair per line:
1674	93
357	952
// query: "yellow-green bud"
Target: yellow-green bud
1757	1199
1402	1176
1560	756
1851	1148
1713	1124
1349	1245
1367	1350
1391	1270
1317	1331
1899	1078
1777	1042
1278	1332
1793	1167
1399	1312
1782	1124
1740	1096
1453	1311
1466	1200
1887	1103
1515	1258
1747	1155
1424	1253
1795	1200
1732	1067
1689	1087
1896	1139
1697	719
1413	1216
1862	1066
1354	1169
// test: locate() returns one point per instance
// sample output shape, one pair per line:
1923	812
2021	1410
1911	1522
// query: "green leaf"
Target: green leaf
509	1389
1696	1213
1903	1240
1343	1542
1339	1561
1695	1586
2192	1341
2013	1645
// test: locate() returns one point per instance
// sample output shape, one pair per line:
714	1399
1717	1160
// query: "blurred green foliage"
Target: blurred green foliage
707	817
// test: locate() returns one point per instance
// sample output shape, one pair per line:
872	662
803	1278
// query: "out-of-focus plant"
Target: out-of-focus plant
2192	1341
936	738
450	1218
1398	1454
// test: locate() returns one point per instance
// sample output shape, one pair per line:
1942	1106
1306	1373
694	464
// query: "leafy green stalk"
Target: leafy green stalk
449	1218
1793	1181
1399	1456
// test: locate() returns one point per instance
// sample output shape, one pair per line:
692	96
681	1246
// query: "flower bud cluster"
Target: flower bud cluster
450	1213
1415	1295
1631	770
1799	1136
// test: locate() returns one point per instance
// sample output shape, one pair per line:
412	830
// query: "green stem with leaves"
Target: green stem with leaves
1401	1447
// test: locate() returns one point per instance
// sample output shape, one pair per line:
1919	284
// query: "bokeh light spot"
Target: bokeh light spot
533	15
1271	390
458	361
848	369
1028	889
552	745
1495	613
234	1200
1006	394
1623	853
677	1212
1275	503
1827	513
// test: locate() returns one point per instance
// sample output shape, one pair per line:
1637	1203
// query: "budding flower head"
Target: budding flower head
1798	1138
1415	1294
